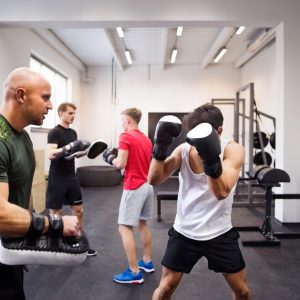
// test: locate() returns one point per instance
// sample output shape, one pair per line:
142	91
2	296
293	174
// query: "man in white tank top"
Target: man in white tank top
209	170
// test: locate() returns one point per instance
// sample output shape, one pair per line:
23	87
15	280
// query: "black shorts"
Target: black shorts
63	190
223	252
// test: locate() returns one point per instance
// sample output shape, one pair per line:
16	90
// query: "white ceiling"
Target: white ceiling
147	45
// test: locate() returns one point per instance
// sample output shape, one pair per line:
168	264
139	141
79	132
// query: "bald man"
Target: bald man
26	101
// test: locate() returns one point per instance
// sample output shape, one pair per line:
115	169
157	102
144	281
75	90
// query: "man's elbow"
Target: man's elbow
153	180
119	165
221	195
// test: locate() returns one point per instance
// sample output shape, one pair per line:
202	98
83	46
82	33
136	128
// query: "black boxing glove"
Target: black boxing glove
109	155
207	143
167	128
69	151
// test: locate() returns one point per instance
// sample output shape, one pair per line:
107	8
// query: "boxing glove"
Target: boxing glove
76	146
207	143
69	150
110	154
167	128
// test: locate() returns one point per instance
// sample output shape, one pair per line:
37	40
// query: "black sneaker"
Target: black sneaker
92	252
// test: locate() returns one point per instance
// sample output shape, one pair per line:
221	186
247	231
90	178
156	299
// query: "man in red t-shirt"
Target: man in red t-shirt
134	155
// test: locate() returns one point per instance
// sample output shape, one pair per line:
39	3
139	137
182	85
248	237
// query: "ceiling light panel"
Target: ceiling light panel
82	43
194	44
240	30
179	30
120	32
146	44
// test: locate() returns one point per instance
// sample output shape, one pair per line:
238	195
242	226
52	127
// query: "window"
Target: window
58	89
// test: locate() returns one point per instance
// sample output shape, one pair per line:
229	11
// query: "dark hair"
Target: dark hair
134	113
206	113
64	106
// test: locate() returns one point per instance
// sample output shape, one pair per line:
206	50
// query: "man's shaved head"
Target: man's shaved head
21	78
26	98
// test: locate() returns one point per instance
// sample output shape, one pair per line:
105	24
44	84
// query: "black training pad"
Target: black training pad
46	243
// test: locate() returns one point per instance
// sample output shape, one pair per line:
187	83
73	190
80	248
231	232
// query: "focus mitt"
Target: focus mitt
95	149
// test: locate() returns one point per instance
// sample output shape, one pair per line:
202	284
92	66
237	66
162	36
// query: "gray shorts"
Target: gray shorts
136	205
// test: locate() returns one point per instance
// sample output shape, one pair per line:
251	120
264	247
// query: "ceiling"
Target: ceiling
153	46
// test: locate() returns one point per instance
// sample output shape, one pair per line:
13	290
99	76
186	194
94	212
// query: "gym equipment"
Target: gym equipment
241	119
256	140
44	249
268	178
207	143
74	149
164	195
167	128
99	176
258	158
273	140
92	151
109	155
96	148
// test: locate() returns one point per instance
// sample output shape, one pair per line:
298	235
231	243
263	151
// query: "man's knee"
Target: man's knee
166	290
123	229
242	293
77	210
142	225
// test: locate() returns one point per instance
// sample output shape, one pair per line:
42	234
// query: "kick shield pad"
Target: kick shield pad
47	249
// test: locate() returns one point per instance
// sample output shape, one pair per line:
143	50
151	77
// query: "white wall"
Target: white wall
16	46
261	70
267	70
176	89
288	95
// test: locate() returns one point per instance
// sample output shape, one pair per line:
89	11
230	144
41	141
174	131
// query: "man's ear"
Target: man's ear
20	95
220	130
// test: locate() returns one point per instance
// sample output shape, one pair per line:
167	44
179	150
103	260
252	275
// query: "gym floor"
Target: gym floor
273	272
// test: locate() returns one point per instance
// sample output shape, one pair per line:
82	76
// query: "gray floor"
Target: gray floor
273	272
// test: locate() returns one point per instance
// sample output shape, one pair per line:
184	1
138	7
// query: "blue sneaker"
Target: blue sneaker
147	267
129	277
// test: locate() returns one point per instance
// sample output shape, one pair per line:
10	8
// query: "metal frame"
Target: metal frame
238	194
270	237
251	121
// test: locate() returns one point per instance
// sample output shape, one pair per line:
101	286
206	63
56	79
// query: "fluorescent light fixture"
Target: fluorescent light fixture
120	32
179	30
264	37
173	58
128	57
255	47
220	54
240	30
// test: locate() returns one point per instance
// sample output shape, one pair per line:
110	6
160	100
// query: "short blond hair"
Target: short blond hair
134	113
64	106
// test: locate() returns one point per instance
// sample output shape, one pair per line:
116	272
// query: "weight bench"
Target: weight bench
164	195
268	178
